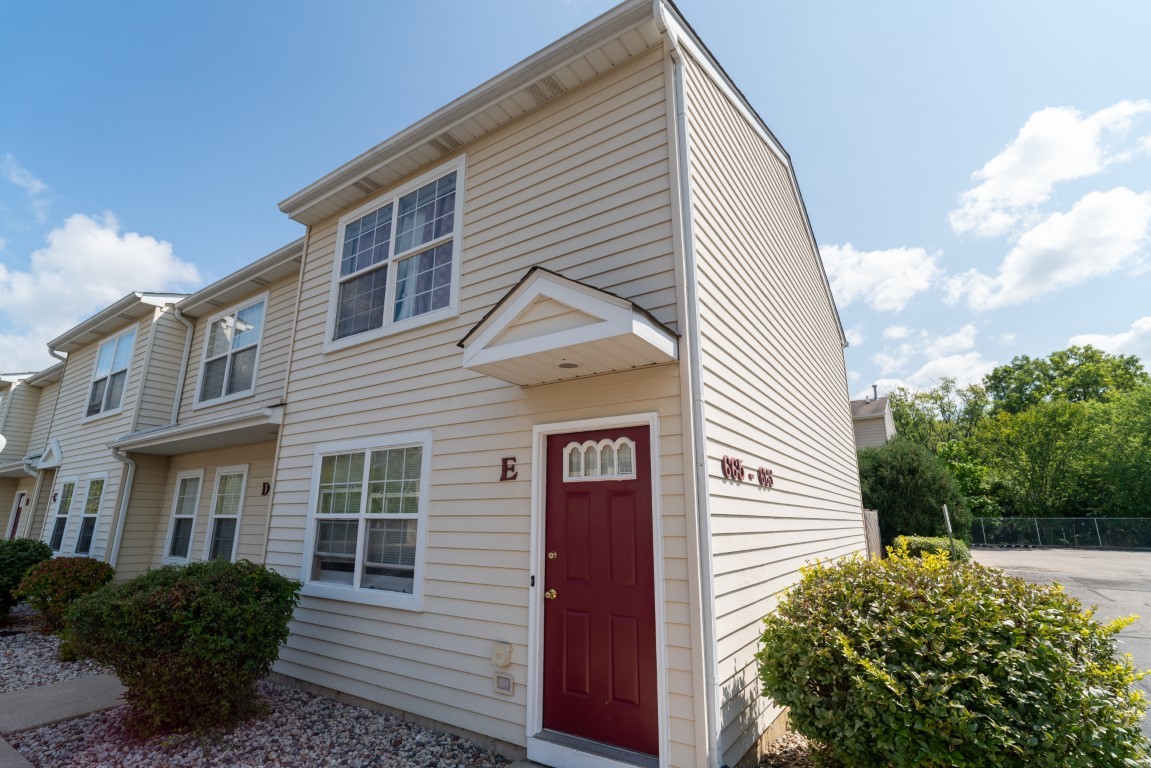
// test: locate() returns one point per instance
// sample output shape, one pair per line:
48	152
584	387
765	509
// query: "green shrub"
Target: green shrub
918	545
188	643
920	662
53	585
909	486
16	557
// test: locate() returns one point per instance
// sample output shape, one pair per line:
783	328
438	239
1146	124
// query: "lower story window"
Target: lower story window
91	511
226	506
369	516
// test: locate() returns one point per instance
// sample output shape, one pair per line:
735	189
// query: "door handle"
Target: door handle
550	594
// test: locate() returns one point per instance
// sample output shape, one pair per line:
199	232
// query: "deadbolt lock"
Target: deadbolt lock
550	594
552	555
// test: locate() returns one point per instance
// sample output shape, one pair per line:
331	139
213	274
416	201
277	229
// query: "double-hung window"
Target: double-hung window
224	523
184	507
397	259
368	521
108	380
60	521
90	513
231	352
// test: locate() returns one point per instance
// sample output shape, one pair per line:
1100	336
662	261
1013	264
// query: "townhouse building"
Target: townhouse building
544	410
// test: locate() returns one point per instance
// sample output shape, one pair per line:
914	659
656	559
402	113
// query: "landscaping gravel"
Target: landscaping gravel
791	751
301	730
29	659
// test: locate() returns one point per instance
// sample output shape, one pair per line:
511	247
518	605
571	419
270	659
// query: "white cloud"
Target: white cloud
1056	144
936	356
86	265
1007	338
885	280
854	376
1136	340
1103	232
960	341
36	190
854	336
896	332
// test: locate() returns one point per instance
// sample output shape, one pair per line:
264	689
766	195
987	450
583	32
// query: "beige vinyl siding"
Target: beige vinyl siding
144	506
42	499
580	187
869	432
17	412
158	394
149	522
775	393
272	361
84	443
45	410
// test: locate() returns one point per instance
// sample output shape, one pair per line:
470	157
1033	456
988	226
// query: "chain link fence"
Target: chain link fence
1085	532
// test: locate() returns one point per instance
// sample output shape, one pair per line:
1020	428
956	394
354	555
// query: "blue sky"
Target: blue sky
978	175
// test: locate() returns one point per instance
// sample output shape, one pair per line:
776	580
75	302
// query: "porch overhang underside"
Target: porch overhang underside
252	427
13	470
549	328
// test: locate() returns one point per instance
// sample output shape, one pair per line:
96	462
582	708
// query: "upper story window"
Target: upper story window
398	258
111	374
231	352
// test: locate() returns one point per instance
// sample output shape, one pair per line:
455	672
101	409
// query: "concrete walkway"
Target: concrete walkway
47	704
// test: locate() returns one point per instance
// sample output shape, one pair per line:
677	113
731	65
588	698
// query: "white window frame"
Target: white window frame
103	478
395	326
50	522
168	557
238	395
350	593
238	469
127	374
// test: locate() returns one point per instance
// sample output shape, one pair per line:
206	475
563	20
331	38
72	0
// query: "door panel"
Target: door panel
599	628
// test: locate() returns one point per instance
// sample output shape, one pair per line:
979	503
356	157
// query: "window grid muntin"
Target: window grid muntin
89	513
362	305
599	460
393	477
67	491
184	508
223	532
227	341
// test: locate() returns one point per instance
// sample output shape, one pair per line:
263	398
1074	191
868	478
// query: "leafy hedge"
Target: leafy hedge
16	557
918	545
188	643
916	661
53	585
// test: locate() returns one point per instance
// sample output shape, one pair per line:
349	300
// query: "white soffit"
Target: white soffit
549	328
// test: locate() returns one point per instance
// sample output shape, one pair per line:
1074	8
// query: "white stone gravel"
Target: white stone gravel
301	730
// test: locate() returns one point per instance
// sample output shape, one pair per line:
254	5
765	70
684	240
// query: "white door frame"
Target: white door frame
545	751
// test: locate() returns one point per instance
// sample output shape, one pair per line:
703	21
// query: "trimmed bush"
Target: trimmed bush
16	557
53	585
189	643
917	661
918	545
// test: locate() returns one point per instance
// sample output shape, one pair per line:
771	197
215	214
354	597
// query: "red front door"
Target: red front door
599	606
17	508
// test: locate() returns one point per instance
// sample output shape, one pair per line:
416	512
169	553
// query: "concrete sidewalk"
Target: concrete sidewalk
47	704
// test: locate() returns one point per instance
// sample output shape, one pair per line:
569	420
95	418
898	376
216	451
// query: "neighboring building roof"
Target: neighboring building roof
869	409
133	307
247	280
49	375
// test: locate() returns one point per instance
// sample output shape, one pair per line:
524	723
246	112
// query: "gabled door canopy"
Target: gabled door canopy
549	328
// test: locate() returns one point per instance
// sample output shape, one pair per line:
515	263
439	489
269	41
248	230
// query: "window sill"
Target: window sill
401	601
102	415
223	399
449	312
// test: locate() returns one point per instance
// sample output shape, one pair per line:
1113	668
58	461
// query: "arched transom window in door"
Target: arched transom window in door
603	460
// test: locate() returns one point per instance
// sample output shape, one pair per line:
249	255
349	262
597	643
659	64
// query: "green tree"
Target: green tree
943	413
909	486
1123	447
1043	457
1076	374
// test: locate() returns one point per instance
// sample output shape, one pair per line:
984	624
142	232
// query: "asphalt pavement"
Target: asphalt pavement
1118	583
